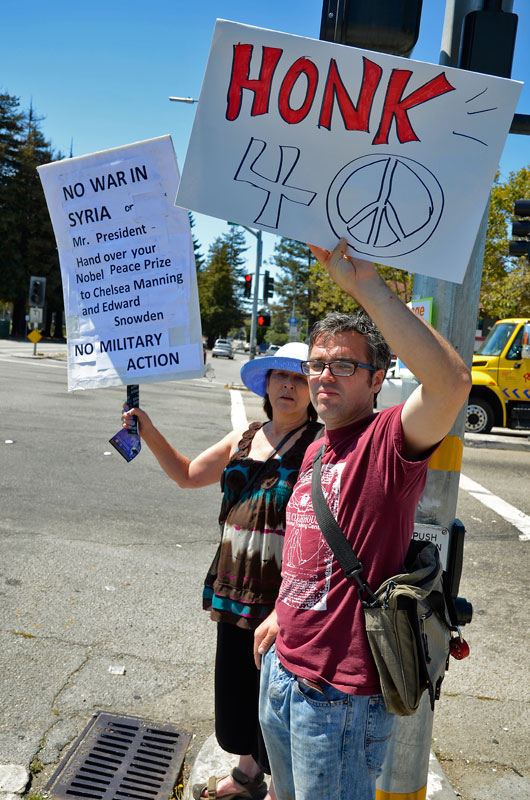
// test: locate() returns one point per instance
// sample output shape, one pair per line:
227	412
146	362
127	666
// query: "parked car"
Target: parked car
273	348
222	349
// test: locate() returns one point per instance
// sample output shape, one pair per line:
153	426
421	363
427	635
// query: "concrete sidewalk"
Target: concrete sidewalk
211	760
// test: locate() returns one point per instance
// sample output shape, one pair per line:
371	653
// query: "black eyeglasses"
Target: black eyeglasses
340	369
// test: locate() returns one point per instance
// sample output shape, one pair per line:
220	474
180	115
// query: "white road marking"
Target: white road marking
238	413
508	512
33	362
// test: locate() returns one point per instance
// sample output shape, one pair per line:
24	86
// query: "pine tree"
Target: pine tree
220	285
294	286
27	242
199	260
307	291
11	134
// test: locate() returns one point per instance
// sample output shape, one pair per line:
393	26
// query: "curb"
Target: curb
494	442
14	779
211	760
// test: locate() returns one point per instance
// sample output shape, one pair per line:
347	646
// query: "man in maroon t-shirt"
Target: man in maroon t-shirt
322	713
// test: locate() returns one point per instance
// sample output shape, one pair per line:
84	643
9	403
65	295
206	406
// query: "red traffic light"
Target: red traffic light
264	320
248	285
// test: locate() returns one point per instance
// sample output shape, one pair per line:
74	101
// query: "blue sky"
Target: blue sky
101	72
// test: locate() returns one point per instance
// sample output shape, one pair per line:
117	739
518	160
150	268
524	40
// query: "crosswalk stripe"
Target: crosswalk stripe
511	514
238	413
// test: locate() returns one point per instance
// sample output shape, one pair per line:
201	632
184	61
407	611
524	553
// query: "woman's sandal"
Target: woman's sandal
254	788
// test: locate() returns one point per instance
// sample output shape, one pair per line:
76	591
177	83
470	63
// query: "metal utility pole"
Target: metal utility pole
455	308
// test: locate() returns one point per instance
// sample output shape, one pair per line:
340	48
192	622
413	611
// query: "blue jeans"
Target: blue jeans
329	746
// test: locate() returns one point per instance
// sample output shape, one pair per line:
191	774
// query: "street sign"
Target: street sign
35	316
422	308
292	321
437	534
34	336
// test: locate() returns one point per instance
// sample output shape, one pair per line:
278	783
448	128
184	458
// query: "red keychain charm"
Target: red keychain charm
458	647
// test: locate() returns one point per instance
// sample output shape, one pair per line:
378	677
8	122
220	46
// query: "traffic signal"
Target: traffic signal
390	26
264	320
37	292
521	228
248	285
488	41
268	286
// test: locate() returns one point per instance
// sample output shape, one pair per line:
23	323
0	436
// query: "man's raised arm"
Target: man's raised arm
445	381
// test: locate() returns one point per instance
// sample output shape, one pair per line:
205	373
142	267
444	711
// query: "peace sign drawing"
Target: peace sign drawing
385	205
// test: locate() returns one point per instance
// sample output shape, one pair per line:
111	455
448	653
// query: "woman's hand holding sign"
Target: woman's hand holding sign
144	421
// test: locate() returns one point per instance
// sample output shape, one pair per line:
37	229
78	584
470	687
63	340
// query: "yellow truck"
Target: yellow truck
500	395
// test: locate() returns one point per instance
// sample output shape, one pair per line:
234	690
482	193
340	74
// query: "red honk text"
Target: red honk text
356	116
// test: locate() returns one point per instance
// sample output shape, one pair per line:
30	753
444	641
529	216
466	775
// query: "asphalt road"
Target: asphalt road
102	563
482	724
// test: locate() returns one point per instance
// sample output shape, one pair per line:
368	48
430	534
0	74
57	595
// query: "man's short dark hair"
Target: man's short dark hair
379	353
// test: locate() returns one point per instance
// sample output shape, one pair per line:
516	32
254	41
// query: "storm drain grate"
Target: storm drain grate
119	757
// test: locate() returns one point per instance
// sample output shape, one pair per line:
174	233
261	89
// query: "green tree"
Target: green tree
505	288
220	285
277	333
327	296
27	242
199	260
306	290
294	286
11	133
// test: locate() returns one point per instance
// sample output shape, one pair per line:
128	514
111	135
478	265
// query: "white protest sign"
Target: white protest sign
312	140
127	265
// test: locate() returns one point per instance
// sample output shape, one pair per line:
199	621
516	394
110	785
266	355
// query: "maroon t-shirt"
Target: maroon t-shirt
372	491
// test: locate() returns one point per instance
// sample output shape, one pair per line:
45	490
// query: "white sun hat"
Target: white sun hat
289	358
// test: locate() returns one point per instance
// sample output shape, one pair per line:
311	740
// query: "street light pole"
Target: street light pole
254	317
183	100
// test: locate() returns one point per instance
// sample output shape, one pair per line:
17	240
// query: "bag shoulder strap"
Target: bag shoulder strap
332	532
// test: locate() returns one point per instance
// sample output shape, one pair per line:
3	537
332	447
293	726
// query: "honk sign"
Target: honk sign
314	141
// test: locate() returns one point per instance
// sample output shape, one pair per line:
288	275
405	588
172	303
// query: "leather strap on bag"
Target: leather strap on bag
333	534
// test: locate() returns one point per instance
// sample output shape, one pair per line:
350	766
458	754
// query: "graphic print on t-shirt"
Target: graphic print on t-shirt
307	557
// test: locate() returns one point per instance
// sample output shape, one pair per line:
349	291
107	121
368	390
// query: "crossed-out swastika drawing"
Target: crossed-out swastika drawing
385	205
276	188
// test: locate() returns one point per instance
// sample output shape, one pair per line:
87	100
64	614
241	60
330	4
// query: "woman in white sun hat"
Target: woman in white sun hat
258	468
